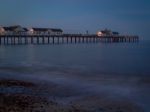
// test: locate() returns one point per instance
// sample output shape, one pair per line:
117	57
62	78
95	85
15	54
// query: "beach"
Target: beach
22	95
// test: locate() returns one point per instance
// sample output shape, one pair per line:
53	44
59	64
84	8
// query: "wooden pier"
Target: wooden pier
62	39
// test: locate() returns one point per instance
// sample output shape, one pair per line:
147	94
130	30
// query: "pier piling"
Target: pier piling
62	39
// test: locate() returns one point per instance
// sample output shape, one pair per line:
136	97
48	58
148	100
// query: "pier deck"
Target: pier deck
62	39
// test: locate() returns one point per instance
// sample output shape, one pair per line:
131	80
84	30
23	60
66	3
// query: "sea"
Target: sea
116	68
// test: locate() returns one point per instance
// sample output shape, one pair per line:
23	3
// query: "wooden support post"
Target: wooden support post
18	40
4	40
11	41
37	40
90	40
26	40
48	39
95	39
82	40
106	40
75	39
14	40
67	39
129	39
0	40
62	39
31	40
7	39
53	40
21	40
79	39
86	39
71	39
58	40
43	40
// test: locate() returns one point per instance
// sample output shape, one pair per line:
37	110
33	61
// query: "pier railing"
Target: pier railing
62	39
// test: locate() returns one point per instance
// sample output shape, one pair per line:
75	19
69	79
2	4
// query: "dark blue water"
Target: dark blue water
117	68
114	58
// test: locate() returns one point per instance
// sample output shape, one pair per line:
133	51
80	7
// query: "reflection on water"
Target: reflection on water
120	58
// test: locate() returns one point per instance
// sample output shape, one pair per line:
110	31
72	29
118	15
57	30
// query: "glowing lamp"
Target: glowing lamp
99	33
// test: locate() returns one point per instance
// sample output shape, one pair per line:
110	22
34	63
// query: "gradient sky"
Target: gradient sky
77	16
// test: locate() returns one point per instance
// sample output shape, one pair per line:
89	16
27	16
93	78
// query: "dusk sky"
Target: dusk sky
77	16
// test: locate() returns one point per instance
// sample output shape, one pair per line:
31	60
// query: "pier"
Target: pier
63	39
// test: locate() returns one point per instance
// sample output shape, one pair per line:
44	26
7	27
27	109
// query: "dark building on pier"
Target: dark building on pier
45	31
18	30
107	32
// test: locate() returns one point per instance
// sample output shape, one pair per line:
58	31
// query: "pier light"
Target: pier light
30	30
99	33
2	30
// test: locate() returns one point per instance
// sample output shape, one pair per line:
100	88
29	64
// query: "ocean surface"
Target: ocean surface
121	69
103	58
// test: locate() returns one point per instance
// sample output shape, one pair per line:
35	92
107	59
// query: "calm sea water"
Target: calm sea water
110	58
86	64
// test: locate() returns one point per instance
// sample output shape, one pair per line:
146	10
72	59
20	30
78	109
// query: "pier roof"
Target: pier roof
15	28
47	29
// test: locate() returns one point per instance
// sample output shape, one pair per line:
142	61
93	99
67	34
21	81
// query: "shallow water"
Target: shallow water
120	70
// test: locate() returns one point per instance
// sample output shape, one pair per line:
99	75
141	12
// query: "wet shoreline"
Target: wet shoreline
52	97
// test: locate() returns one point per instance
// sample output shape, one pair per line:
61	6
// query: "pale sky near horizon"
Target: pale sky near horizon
77	16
